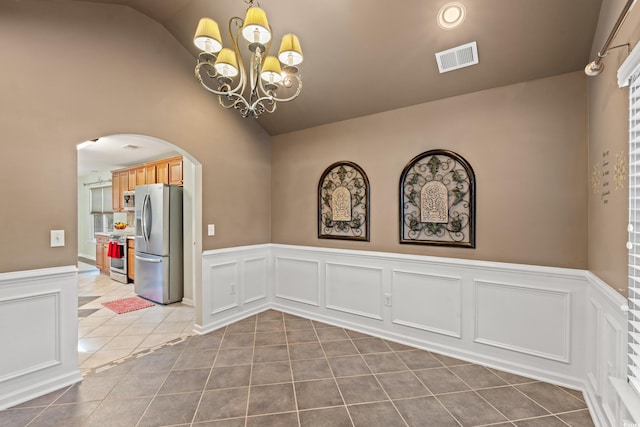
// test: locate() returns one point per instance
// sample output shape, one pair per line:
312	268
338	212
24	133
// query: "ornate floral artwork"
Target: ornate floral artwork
343	203
595	178
437	200
620	170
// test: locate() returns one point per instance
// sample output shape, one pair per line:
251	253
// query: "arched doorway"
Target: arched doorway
117	151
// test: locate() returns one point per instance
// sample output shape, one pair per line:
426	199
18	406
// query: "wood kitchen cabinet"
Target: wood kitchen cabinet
166	171
175	171
102	250
131	259
124	184
162	172
116	192
150	172
119	184
131	183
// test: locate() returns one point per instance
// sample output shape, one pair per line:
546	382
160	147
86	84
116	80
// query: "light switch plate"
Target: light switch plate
211	229
57	238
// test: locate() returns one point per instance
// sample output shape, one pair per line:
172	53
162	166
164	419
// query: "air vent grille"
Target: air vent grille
458	57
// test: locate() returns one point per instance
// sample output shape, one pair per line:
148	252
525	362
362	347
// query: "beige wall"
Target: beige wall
527	144
72	72
608	132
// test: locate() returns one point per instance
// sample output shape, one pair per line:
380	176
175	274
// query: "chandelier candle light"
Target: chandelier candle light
219	67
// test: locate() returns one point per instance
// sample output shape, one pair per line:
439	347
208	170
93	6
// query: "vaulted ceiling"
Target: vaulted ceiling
368	56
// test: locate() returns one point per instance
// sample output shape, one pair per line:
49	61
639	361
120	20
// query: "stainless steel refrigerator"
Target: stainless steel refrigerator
159	248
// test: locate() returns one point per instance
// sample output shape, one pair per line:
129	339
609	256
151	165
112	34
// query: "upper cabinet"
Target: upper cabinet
119	184
132	179
141	176
175	171
167	171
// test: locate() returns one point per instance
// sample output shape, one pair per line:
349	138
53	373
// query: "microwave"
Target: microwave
128	200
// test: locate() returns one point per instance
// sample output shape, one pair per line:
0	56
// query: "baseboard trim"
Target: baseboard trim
472	357
210	327
39	389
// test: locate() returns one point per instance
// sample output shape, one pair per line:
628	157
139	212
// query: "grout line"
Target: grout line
204	387
253	353
293	380
335	379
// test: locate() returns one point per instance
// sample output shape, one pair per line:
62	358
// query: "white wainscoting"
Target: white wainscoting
39	318
345	283
290	273
235	285
559	325
426	301
519	318
543	313
606	345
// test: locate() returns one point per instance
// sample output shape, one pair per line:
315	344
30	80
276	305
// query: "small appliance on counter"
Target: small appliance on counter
159	247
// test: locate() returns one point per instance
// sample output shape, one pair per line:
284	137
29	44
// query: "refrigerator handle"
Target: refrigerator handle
142	218
156	261
145	226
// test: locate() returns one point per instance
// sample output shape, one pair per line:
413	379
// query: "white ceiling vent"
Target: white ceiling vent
457	57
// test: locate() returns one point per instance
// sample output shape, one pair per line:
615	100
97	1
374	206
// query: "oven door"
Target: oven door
119	265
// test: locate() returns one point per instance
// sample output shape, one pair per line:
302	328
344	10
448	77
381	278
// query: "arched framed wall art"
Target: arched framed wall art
437	200
343	202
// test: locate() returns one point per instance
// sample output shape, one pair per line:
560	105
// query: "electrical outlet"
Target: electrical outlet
57	238
232	289
387	300
211	230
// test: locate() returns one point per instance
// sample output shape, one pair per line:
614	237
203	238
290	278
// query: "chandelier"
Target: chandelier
221	70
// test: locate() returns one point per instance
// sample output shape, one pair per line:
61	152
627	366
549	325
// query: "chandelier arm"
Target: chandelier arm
242	83
292	97
239	99
239	104
209	66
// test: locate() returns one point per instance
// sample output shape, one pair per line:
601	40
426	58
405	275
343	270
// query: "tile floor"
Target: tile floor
104	336
274	369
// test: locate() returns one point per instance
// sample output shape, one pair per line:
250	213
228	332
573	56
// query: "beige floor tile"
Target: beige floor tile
168	327
130	342
91	344
140	328
157	339
107	331
107	336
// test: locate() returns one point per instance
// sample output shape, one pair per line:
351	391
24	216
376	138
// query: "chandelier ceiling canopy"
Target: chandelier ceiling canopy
268	79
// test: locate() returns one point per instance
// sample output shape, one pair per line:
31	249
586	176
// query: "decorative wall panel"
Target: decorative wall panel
428	302
255	279
354	289
38	333
297	280
33	341
223	282
527	319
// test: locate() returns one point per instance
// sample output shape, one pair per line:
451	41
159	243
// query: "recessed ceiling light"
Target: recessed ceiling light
451	15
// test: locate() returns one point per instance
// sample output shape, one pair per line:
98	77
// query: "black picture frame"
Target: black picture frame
350	220
428	181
